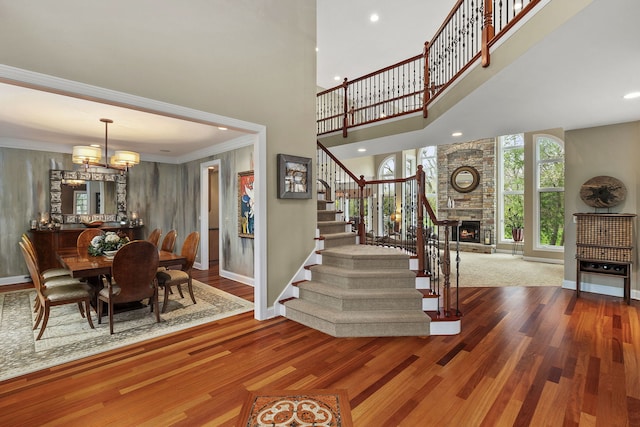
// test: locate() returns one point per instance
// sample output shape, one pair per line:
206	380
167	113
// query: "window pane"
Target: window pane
516	140
513	213
552	218
549	149
551	175
513	169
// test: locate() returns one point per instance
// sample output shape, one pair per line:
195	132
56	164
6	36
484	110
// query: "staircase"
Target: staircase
357	290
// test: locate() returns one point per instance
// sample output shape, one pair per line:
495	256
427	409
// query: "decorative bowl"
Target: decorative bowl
93	224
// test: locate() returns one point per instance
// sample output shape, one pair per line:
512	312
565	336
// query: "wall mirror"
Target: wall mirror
79	196
465	179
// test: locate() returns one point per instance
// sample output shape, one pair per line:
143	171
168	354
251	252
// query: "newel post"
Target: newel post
420	251
488	32
361	227
345	117
427	94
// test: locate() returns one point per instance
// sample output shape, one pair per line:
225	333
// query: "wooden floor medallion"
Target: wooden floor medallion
299	408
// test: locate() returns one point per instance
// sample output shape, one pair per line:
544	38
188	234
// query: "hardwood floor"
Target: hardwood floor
526	356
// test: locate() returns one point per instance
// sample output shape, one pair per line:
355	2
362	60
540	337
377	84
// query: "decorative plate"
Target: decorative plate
603	192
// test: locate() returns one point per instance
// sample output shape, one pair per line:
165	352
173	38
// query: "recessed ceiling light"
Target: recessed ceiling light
632	95
165	151
336	78
222	128
317	48
95	145
362	150
456	134
374	17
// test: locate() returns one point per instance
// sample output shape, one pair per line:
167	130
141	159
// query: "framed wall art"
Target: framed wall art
246	200
294	177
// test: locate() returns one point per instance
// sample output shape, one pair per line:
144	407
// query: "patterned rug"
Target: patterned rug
301	408
68	335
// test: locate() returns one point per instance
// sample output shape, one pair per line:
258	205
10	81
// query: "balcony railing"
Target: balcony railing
411	85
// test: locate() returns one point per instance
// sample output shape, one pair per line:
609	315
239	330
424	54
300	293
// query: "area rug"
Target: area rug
68	336
299	408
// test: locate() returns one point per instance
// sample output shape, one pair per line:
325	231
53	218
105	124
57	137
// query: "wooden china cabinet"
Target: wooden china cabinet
604	245
48	242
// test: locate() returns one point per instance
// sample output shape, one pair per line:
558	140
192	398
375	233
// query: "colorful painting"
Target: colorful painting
246	201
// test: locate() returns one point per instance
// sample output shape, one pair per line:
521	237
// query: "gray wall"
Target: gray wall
165	196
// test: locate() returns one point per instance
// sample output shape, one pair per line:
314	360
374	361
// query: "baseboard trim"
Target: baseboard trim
237	277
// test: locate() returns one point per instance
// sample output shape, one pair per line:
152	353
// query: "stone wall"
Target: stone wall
478	204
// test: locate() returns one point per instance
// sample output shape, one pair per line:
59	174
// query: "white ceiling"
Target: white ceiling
574	78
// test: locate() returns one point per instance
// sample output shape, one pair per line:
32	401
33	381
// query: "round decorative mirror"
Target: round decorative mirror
465	179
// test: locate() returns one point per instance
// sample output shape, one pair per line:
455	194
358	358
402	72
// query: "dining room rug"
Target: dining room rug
69	337
299	408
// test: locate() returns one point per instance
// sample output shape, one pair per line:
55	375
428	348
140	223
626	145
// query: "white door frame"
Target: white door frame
204	209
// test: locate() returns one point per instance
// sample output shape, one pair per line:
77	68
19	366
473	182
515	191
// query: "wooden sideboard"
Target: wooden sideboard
604	245
48	242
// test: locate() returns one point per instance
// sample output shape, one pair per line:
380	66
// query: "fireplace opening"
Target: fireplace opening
468	231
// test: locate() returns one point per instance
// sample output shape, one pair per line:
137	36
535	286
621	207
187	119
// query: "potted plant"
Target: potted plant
514	221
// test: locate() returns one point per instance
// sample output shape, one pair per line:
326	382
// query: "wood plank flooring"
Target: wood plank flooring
526	357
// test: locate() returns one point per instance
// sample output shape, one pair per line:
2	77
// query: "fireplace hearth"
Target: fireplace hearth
468	232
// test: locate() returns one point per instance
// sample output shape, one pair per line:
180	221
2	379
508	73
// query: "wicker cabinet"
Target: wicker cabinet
604	245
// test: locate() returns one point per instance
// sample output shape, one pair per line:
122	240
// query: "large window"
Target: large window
511	206
549	192
387	200
429	162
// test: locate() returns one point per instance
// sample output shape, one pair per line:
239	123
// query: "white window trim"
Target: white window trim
538	189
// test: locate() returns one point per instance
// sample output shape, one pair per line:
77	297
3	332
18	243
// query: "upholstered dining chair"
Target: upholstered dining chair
47	274
169	278
133	278
84	240
75	293
169	241
154	237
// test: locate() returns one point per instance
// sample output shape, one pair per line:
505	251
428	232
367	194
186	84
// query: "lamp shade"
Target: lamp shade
83	154
125	158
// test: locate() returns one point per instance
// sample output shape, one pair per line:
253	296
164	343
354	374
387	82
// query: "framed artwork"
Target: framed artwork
246	201
294	177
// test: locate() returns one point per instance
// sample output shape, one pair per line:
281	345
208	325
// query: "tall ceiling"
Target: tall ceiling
584	69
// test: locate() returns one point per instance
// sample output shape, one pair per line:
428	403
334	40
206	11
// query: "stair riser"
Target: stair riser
332	243
365	264
363	282
361	304
332	228
326	216
385	329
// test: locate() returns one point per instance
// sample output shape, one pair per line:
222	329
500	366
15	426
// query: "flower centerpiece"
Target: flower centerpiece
104	243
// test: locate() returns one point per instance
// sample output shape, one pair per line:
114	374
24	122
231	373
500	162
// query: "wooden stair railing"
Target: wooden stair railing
410	86
394	213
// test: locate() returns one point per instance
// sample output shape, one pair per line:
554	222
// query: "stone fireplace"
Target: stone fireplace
467	232
477	207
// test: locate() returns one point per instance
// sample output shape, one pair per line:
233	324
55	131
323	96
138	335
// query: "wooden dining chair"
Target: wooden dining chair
47	274
169	278
133	278
154	237
85	238
75	293
169	241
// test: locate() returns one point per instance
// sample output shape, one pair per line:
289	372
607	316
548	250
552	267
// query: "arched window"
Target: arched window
549	194
387	196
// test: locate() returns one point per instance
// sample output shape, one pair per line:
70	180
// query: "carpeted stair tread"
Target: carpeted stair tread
335	236
365	252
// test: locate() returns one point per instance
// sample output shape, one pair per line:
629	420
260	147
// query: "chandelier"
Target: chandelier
91	156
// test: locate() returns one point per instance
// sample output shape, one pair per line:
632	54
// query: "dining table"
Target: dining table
92	268
85	265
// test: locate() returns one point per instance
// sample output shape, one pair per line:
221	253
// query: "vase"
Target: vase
110	254
517	234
